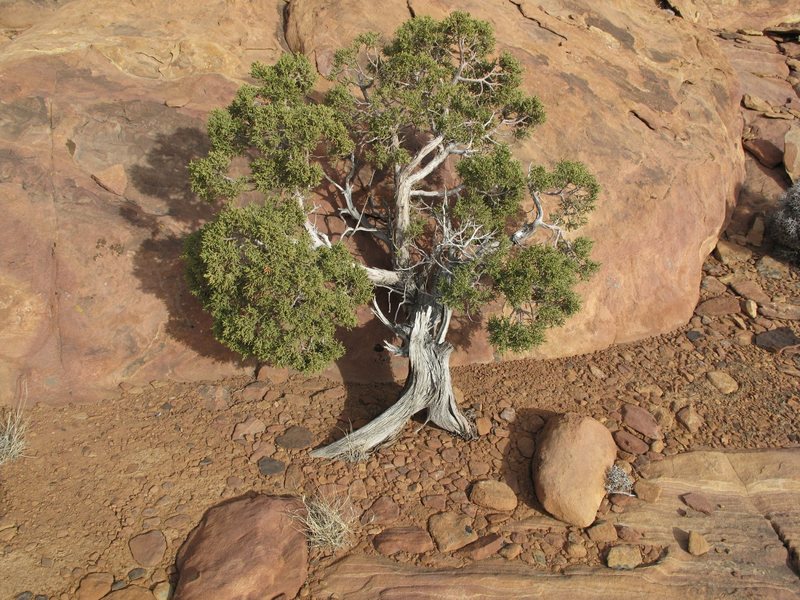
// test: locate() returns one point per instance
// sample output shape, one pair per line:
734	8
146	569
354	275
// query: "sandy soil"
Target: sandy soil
157	457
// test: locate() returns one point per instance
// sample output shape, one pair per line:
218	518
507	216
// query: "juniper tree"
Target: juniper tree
413	141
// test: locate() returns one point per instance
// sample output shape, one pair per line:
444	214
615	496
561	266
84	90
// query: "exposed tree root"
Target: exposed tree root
428	386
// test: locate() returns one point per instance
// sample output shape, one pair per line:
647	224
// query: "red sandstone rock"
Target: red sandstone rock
630	443
640	420
93	282
413	540
246	549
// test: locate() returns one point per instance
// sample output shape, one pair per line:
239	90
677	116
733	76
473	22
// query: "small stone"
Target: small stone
575	550
132	592
450	455
722	381
136	573
698	502
215	397
436	501
251	426
46	562
713	286
689	418
484	547
269	466
647	491
751	308
483	425
756	103
162	590
382	512
261	449
628	534
781	311
729	253
657	446
478	468
255	391
597	371
603	532
764	151
451	531
148	548
697	544
112	179
509	415
413	540
747	288
511	551
640	420
776	339
274	375
494	495
526	446
24	596
624	557
771	269
718	307
295	438
94	586
629	442
178	521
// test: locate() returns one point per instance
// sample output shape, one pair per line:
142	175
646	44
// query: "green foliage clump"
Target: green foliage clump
538	283
270	294
784	224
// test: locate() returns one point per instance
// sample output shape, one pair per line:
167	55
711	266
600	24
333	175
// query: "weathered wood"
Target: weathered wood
428	386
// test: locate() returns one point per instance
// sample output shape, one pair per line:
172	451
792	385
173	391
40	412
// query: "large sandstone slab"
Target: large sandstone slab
614	78
103	104
758	498
737	14
249	548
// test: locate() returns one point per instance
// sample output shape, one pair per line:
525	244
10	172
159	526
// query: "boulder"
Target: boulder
246	549
572	456
91	275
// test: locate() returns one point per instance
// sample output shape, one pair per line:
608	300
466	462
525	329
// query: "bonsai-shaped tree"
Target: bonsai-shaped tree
412	143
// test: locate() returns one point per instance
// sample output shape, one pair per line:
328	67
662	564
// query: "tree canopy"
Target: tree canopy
414	139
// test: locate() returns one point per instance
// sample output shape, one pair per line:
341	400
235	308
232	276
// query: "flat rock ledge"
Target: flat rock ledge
752	537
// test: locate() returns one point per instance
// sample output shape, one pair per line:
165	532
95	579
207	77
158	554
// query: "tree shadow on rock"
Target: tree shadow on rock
516	470
163	203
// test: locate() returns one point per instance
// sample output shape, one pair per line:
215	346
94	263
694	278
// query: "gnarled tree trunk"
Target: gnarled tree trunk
428	386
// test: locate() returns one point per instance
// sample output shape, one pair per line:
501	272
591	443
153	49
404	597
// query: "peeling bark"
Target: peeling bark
428	386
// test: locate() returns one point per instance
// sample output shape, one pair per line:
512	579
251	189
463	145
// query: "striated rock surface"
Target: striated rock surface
104	103
759	492
245	549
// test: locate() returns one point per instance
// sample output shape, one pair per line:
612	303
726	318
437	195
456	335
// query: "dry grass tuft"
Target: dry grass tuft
328	524
13	427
